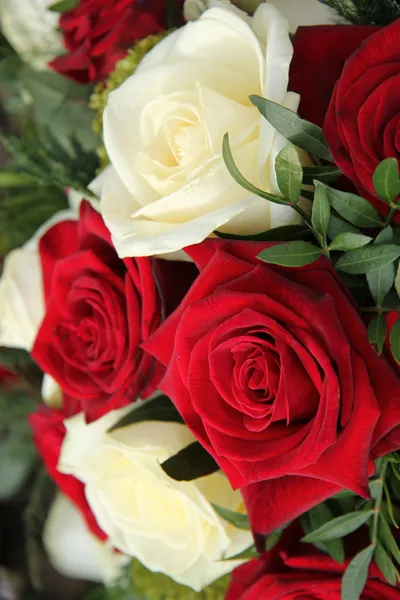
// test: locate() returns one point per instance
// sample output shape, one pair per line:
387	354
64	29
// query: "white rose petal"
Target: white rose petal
32	30
305	12
74	551
169	526
168	186
21	290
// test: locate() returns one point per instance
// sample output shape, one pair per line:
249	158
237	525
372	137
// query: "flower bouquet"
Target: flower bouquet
200	295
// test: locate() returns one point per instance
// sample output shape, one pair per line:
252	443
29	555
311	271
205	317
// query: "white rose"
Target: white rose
74	551
169	526
163	130
305	12
32	30
21	290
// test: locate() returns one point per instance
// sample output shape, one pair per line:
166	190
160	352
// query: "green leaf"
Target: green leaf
369	258
285	233
386	180
321	211
339	527
337	225
384	237
395	340
385	564
190	463
63	5
238	520
11	179
354	209
380	282
377	330
318	516
273	539
159	409
375	488
397	281
299	132
387	539
326	174
240	179
293	254
356	574
349	241
289	173
246	554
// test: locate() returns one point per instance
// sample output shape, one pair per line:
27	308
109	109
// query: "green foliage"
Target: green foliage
377	330
63	5
349	241
326	174
289	173
277	234
316	518
321	212
386	180
366	12
35	516
239	520
355	576
190	463
339	527
293	254
368	258
299	132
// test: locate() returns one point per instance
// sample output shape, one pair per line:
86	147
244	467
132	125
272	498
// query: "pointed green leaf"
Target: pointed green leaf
321	211
63	5
387	539
384	237
289	173
356	574
159	409
395	340
293	254
337	225
248	554
301	133
380	282
397	281
339	527
377	330
385	564
240	179
273	539
386	180
318	516
354	209
190	463
238	520
349	241
369	258
324	173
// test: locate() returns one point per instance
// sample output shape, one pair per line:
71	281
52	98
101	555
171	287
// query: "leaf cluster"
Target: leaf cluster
344	227
366	12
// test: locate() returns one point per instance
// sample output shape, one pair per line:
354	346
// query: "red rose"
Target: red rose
97	33
99	310
272	370
48	435
295	571
362	126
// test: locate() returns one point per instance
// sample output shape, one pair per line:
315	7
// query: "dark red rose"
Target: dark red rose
48	435
362	125
272	370
99	309
97	33
295	571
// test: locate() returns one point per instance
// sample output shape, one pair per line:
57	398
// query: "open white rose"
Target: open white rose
163	130
73	550
169	526
21	290
32	30
305	12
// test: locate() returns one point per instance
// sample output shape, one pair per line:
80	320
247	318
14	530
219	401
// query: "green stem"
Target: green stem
390	216
378	502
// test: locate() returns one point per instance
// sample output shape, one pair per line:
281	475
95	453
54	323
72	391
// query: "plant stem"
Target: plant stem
378	502
390	216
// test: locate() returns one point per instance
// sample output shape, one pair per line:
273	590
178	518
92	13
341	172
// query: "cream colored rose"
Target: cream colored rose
21	290
74	551
163	130
32	30
169	526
